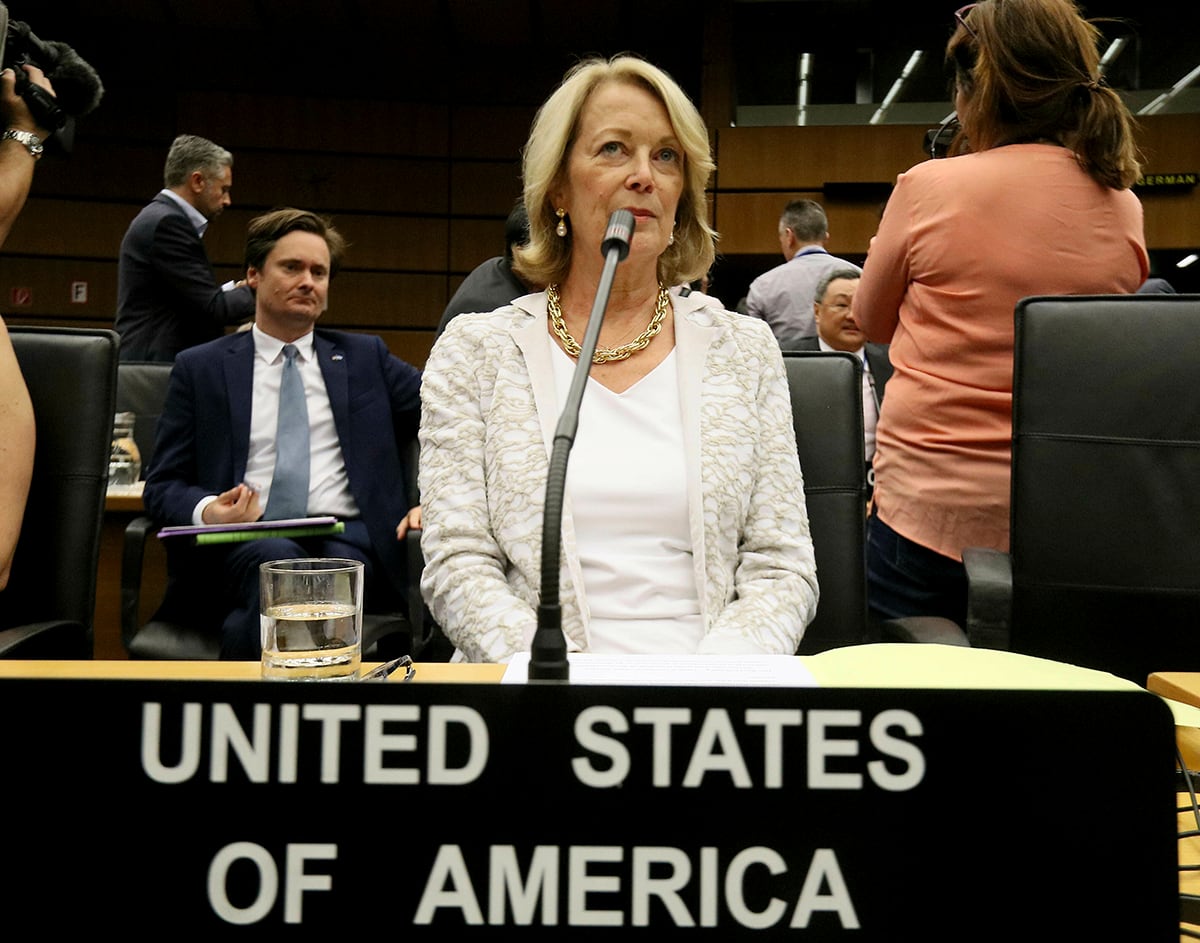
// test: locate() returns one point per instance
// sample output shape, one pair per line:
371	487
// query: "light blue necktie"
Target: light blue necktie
289	486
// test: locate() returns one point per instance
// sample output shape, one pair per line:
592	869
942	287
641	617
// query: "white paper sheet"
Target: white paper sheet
707	670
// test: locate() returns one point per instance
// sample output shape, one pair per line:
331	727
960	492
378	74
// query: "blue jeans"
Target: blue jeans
907	579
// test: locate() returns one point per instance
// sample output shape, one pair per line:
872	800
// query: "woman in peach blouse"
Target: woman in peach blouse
1035	201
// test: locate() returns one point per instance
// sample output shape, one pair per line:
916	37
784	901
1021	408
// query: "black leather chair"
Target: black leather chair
142	390
48	608
827	414
180	627
1104	563
185	623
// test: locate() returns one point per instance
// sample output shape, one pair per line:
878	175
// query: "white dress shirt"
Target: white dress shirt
328	485
638	569
870	406
195	217
198	220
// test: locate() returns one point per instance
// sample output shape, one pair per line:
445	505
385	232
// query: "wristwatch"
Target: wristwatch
31	141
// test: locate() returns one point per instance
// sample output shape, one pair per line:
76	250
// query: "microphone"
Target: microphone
548	652
77	87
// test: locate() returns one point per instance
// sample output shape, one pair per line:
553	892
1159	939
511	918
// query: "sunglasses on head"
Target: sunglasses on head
961	15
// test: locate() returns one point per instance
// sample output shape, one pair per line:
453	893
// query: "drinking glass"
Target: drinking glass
124	461
311	617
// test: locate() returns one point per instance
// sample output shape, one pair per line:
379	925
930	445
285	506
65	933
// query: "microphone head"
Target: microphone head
76	84
618	234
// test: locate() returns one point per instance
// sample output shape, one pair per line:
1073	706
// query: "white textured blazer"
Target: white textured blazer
489	409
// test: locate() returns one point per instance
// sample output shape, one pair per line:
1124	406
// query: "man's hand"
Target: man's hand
14	108
238	505
412	521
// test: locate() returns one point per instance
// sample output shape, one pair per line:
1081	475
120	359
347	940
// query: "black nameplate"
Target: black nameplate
549	812
1175	181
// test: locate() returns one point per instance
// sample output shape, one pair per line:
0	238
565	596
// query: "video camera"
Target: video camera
77	87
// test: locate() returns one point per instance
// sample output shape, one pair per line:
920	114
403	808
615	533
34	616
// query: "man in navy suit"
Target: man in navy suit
214	459
167	296
837	330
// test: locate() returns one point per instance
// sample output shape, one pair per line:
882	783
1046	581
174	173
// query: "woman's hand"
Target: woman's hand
411	521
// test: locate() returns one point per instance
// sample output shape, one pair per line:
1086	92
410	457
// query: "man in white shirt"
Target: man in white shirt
219	435
836	330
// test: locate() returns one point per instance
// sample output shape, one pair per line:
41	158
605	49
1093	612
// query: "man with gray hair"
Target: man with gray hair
167	296
783	296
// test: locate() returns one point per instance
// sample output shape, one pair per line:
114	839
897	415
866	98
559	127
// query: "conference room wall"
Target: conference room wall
761	168
421	192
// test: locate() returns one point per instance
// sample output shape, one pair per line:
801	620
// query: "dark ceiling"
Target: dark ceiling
517	49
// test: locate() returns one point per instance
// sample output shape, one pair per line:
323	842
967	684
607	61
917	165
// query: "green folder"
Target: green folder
236	536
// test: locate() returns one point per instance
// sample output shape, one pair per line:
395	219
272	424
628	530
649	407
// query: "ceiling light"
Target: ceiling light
1113	50
1157	105
894	91
804	68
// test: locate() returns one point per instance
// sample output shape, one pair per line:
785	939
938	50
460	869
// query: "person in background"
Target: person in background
167	297
20	148
1035	202
685	528
220	451
20	143
492	283
18	435
783	296
838	331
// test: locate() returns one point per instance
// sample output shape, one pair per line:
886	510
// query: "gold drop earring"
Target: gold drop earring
561	229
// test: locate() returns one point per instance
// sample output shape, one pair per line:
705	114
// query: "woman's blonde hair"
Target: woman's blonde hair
1030	71
546	258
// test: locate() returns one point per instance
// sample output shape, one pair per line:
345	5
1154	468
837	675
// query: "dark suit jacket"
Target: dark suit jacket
203	437
877	359
167	296
491	285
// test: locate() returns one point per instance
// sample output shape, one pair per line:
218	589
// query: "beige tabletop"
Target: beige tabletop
221	670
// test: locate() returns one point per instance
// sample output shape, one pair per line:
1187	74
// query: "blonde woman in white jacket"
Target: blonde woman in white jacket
684	525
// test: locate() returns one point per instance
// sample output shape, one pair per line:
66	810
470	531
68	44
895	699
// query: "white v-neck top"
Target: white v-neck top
629	506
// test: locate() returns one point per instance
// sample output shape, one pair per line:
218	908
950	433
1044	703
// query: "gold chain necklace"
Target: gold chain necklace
607	354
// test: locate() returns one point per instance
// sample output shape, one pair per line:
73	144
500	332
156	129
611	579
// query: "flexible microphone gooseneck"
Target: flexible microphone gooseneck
548	652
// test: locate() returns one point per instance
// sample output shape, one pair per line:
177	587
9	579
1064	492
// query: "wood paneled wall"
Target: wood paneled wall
421	192
761	169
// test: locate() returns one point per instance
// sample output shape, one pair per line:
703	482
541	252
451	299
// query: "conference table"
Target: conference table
889	837
1183	687
881	665
125	670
